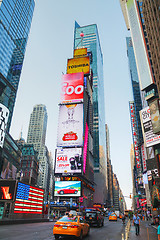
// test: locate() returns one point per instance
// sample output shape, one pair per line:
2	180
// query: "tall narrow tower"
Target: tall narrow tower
37	137
91	41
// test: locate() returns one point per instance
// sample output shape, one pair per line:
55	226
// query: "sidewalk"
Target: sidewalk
151	234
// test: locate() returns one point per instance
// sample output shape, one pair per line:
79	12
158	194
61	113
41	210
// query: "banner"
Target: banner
70	127
4	114
68	161
72	87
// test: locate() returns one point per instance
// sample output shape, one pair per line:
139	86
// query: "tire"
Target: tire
81	236
102	223
56	237
88	231
61	192
75	192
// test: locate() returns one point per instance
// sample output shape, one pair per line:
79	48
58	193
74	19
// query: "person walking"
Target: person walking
136	223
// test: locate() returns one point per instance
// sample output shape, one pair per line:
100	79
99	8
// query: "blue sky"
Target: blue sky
49	46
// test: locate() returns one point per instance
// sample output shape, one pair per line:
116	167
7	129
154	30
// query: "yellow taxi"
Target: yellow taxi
71	226
113	217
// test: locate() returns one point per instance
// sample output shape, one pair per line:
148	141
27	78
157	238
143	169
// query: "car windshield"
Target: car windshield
113	214
89	214
68	219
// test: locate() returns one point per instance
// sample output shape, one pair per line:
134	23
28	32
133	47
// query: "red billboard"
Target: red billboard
72	87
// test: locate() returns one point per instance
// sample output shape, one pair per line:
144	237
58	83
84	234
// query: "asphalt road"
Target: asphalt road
43	231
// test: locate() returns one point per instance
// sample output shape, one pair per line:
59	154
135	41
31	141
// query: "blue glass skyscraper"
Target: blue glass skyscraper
15	22
92	43
135	85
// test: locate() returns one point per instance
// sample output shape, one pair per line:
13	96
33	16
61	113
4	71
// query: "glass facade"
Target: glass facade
91	41
15	22
135	85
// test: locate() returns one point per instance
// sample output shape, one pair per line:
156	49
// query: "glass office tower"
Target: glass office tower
135	85
92	43
15	22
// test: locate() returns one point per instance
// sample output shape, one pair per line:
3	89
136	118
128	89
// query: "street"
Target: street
43	231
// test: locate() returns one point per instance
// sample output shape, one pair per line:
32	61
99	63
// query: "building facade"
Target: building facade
92	42
15	23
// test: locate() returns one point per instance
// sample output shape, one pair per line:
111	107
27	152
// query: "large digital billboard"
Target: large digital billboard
68	161
7	190
72	87
75	65
4	114
29	199
140	48
155	118
70	125
147	128
9	171
80	52
67	189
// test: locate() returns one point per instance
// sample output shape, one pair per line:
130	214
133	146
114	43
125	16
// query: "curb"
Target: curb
22	221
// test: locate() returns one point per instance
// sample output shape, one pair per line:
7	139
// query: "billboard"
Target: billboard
139	45
155	118
4	114
7	190
8	170
149	137
72	87
28	199
75	65
67	189
68	161
85	148
70	125
144	157
80	52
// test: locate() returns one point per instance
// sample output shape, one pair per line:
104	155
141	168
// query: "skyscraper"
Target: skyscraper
37	136
91	41
15	22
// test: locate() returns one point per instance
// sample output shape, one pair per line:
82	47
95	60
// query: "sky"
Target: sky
49	46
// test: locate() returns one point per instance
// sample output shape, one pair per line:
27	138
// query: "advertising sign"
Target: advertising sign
155	118
7	190
70	128
76	65
147	128
80	52
4	114
72	87
68	161
28	199
140	48
135	137
67	189
85	148
144	157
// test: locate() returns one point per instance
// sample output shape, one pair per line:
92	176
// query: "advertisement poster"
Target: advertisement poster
147	128
80	52
4	114
72	87
7	189
68	161
75	65
67	189
8	170
70	127
155	118
144	157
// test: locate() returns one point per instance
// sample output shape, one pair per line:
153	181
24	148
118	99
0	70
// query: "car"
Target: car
67	191
113	217
94	218
71	226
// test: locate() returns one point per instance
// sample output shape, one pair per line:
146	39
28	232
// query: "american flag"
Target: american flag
28	199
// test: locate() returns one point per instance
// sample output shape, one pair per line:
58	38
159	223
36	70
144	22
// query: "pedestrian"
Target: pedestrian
158	232
136	223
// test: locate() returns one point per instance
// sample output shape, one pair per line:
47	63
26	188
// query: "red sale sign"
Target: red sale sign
72	87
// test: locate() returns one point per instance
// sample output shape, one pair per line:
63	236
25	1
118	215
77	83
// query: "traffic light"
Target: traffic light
120	199
130	196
